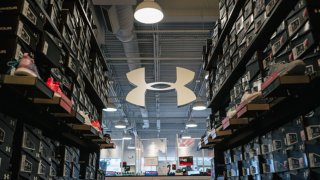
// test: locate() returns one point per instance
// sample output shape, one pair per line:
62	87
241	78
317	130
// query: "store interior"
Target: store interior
159	89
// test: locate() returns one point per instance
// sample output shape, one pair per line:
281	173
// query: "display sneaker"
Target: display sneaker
96	125
296	67
54	86
26	67
86	117
249	97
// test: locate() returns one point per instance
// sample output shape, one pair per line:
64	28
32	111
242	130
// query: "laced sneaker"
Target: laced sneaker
296	67
249	97
96	125
54	86
231	112
27	67
86	117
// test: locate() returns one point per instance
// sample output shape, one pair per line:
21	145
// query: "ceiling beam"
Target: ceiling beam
159	58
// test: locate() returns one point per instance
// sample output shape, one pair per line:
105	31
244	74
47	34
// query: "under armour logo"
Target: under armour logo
137	78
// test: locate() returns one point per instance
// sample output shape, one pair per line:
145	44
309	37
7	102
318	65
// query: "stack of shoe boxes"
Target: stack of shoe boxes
290	152
88	165
7	129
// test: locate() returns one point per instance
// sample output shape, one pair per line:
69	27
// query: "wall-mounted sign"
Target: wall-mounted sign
186	161
150	161
137	78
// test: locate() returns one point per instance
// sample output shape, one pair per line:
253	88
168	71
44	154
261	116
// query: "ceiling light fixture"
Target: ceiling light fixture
110	107
199	106
186	136
120	124
126	136
131	145
191	124
148	12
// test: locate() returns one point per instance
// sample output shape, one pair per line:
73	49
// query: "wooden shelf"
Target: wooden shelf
107	146
28	86
225	31
260	41
234	123
283	86
73	117
55	104
252	110
219	133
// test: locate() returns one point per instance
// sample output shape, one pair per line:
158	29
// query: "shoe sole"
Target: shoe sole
24	72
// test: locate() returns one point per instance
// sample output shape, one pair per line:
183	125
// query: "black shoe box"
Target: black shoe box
255	165
278	137
45	151
6	132
215	34
258	21
239	23
237	154
66	19
75	171
248	23
241	39
232	35
248	8
72	66
312	63
312	149
64	153
294	132
67	36
43	169
245	168
28	165
285	56
233	49
312	124
54	169
6	175
279	42
5	165
222	10
305	44
27	8
75	155
50	49
267	163
225	44
253	66
66	85
15	26
31	141
232	170
270	4
65	169
280	161
259	7
302	174
54	12
223	21
266	143
85	172
242	47
249	37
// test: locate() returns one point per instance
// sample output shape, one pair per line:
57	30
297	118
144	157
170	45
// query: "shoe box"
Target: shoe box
85	172
278	140
7	129
255	165
232	169
100	175
266	143
43	169
259	20
279	42
312	124
75	154
215	35
68	21
280	160
294	132
31	141
5	165
75	170
65	169
259	7
245	169
53	10
253	67
222	13
28	166
54	169
267	163
312	151
15	26
237	154
64	153
297	157
45	150
50	49
27	8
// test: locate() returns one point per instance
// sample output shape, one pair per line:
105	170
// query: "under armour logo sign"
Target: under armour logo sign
137	78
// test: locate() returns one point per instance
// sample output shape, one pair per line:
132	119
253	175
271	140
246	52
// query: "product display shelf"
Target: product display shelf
282	86
225	31
219	133
87	131
107	146
73	117
32	87
95	99
259	42
252	110
95	42
280	113
55	104
234	123
40	115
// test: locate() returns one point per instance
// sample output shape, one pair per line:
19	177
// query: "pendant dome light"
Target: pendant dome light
120	124
191	124
110	107
148	12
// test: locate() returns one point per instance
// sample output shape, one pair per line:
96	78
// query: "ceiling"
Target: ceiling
177	41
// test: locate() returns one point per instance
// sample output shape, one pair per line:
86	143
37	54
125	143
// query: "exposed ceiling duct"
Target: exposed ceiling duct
121	22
